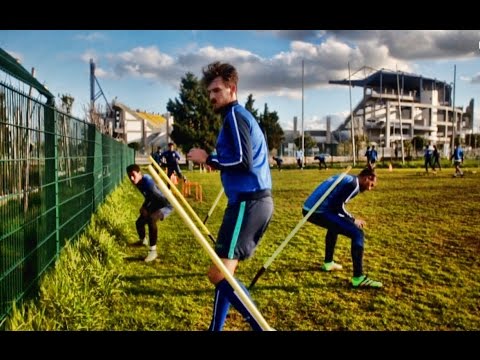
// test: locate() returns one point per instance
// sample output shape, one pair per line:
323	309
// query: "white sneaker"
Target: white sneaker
152	255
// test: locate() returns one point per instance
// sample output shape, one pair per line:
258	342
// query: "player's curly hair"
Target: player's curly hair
226	71
368	171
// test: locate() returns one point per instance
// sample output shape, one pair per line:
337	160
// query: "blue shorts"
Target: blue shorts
243	225
336	224
162	213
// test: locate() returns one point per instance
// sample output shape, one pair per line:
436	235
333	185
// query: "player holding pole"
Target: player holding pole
249	306
242	158
295	230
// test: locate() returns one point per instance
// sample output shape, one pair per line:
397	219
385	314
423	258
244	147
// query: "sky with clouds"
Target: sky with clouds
143	68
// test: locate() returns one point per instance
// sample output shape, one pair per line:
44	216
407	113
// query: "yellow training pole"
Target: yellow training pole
211	253
299	225
182	198
214	205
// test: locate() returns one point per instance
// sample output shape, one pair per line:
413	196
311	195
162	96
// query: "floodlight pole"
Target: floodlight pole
400	115
303	133
351	115
454	116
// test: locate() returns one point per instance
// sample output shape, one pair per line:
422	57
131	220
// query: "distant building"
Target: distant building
426	110
324	139
147	129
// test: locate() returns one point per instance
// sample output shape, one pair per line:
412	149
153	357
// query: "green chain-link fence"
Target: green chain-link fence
54	171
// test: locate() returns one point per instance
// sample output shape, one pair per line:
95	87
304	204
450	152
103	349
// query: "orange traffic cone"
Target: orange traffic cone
174	179
390	167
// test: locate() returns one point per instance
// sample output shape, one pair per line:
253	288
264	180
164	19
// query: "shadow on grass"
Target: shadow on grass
134	278
134	258
312	268
341	285
165	291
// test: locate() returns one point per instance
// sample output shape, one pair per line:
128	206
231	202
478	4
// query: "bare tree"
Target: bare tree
97	117
4	142
64	148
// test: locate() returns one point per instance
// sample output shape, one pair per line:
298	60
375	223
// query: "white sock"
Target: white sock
153	248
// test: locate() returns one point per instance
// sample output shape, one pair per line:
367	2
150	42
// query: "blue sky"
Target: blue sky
143	68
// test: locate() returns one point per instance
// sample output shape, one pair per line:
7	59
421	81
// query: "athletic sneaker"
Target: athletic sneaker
331	266
364	281
152	255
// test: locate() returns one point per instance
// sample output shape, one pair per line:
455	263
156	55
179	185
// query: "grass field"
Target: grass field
422	242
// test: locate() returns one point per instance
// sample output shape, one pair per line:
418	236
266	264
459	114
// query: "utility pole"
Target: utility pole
303	133
92	85
351	115
95	118
454	117
400	115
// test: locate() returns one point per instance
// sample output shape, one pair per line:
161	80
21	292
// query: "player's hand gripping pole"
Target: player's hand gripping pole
211	253
214	205
182	198
299	225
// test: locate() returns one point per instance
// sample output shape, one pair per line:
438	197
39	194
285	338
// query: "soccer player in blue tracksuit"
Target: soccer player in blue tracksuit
279	162
171	159
373	157
457	158
368	155
332	215
427	155
157	156
321	161
242	158
155	207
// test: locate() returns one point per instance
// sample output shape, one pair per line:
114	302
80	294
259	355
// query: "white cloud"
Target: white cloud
295	34
89	54
102	73
91	37
418	44
475	79
316	123
147	62
326	56
401	44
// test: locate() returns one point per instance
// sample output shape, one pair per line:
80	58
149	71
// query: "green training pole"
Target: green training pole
299	225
